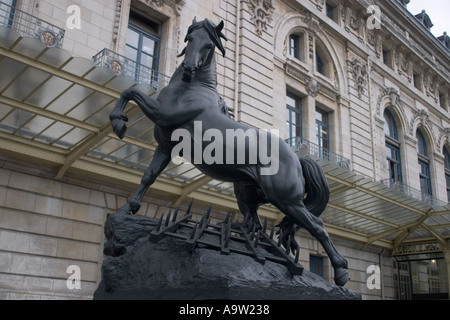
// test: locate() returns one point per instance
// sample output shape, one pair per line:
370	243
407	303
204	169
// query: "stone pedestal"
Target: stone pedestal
135	268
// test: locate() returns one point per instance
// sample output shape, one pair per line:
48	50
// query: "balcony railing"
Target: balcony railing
28	25
304	147
413	193
124	66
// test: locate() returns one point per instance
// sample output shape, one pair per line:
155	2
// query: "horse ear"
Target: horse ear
220	26
182	53
219	29
195	20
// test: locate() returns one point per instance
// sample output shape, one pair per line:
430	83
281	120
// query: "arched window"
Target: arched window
320	65
447	171
296	46
323	62
394	163
424	164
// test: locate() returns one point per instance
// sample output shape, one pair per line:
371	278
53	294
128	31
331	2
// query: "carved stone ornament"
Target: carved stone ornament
392	93
176	5
420	116
262	14
313	87
319	4
49	38
313	23
444	136
119	5
116	67
359	71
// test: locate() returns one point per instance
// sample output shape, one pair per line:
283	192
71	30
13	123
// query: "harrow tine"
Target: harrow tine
168	218
272	232
257	239
227	236
265	225
158	227
202	220
227	220
208	213
188	211
175	216
194	231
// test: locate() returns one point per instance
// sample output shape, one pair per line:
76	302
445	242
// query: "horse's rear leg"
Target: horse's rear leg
302	217
248	201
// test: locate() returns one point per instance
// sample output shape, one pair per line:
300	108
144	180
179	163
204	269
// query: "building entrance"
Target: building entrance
421	277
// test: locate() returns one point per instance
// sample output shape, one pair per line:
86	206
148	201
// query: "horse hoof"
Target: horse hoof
119	127
125	210
341	277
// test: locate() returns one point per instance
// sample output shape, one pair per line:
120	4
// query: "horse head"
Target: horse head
202	38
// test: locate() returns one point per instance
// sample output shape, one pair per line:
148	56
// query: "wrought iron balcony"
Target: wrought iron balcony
122	65
413	193
304	147
28	25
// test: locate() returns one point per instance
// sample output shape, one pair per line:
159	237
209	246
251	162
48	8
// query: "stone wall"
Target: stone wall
48	225
359	261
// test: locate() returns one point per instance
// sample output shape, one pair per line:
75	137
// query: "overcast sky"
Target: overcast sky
438	10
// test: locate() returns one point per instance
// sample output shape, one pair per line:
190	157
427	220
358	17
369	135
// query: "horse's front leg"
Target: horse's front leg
160	161
149	106
118	117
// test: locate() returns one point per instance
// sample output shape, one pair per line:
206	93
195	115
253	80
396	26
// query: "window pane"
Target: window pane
421	144
147	61
131	53
148	46
290	102
35	126
293	118
7	13
390	127
16	120
447	178
132	38
294	46
447	159
320	67
54	132
330	11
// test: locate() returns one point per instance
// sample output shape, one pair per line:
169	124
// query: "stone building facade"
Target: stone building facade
361	83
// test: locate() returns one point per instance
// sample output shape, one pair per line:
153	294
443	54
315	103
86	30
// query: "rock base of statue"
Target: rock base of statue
135	268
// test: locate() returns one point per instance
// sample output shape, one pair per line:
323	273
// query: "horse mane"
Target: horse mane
214	31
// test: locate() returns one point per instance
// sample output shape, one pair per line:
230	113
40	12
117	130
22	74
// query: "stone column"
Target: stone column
438	177
309	118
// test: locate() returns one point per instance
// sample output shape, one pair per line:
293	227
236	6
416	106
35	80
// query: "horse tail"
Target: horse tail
316	186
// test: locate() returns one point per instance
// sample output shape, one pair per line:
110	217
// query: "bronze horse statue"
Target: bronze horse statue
298	189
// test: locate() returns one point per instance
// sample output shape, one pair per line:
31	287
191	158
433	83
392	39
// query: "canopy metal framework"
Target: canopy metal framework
54	110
